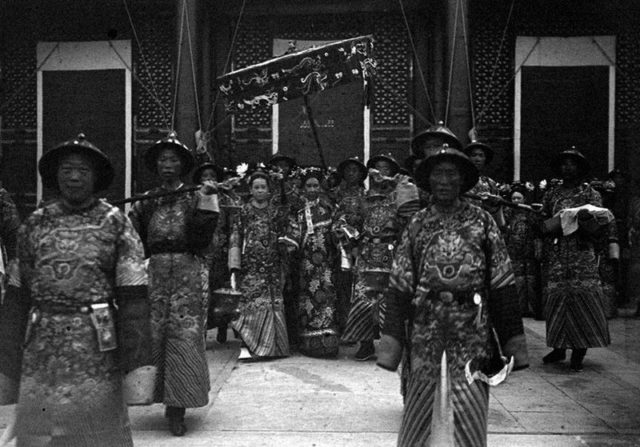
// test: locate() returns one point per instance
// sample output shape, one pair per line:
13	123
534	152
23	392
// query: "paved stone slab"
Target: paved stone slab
269	439
576	421
534	440
500	419
301	401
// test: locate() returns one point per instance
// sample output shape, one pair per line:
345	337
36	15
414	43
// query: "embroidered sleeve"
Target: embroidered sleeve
403	275
130	270
292	232
501	270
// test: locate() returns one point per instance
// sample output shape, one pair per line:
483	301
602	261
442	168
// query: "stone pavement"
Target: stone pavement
301	401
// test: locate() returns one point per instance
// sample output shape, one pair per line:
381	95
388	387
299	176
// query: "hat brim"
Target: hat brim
371	164
467	169
50	161
195	178
343	165
286	158
583	165
488	151
151	156
417	141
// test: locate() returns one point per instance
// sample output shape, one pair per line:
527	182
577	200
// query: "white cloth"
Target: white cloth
569	217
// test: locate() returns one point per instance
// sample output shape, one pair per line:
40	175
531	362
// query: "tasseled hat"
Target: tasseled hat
169	142
488	152
49	162
356	161
281	157
371	164
573	153
446	153
438	130
220	172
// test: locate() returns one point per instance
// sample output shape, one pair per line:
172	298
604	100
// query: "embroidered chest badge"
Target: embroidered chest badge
447	255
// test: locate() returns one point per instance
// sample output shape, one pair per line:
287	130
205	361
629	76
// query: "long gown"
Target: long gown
376	219
442	261
70	392
261	324
520	234
310	234
346	199
573	293
174	231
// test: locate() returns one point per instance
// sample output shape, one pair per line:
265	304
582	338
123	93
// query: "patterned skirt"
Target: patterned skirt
575	315
178	291
366	315
262	325
456	417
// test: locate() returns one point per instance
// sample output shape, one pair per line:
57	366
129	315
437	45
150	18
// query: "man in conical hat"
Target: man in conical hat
175	232
77	257
573	292
450	305
431	139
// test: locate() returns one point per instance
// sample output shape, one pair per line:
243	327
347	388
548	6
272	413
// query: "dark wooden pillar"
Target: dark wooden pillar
439	58
458	118
186	119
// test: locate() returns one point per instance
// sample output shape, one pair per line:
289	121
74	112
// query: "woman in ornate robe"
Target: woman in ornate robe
310	234
175	230
261	325
451	291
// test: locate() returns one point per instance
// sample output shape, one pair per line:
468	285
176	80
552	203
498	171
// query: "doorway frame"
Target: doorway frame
85	56
532	51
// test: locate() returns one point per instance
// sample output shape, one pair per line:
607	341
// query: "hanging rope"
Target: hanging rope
227	62
466	50
26	84
417	59
495	62
175	91
484	109
453	56
164	108
193	65
153	91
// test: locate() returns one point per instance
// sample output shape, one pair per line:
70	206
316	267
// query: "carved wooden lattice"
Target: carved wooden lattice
18	82
157	39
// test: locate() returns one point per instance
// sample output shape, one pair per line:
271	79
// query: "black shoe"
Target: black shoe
577	356
175	415
221	337
177	426
366	351
557	355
